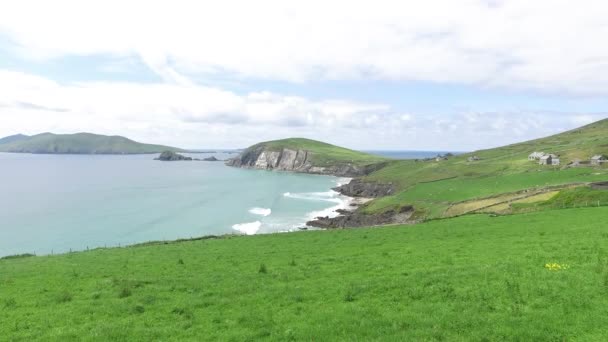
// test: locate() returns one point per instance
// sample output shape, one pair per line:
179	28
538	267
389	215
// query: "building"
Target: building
545	160
549	159
473	158
598	159
536	156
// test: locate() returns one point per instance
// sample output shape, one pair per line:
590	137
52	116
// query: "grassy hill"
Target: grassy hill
434	186
80	143
322	154
529	277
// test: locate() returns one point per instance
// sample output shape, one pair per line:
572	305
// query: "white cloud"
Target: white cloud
198	115
205	117
550	45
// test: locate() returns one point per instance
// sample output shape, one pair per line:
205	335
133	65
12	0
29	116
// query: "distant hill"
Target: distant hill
13	138
79	143
308	156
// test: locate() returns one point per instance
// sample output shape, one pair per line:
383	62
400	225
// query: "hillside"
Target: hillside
309	156
80	143
434	186
13	138
530	277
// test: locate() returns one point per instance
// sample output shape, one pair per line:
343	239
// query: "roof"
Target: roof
597	157
545	157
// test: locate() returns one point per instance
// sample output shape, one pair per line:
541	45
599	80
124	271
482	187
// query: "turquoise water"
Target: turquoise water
57	203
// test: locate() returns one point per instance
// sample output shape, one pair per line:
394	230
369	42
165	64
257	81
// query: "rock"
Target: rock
357	219
171	156
360	188
212	159
599	186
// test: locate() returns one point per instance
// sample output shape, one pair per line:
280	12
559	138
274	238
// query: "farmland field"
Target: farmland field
474	277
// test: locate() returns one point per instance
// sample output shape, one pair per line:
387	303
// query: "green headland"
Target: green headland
79	143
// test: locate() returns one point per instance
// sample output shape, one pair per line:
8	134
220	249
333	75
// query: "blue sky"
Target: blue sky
367	75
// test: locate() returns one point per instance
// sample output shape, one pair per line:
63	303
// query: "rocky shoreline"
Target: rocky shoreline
360	191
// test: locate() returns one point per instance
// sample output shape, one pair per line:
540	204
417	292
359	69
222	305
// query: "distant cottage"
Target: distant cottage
598	159
473	158
536	156
549	159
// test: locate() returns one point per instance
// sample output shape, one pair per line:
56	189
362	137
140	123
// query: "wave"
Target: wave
249	228
343	202
327	196
260	211
342	181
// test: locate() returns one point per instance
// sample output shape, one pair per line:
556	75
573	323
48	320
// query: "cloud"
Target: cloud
32	104
206	117
545	45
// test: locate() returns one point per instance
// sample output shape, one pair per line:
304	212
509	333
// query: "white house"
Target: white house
545	160
549	159
598	159
536	155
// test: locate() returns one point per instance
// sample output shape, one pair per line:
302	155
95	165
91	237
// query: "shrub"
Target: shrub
10	303
64	297
124	292
263	269
349	296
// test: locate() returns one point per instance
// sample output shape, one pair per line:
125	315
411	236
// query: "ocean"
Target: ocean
57	203
60	203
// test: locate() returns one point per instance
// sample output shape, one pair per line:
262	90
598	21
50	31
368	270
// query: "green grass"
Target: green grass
323	154
567	198
432	186
80	143
475	277
437	196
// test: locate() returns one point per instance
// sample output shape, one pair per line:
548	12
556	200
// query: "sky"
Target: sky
393	75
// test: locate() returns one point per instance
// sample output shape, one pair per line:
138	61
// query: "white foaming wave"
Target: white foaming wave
249	228
327	196
342	181
260	211
343	203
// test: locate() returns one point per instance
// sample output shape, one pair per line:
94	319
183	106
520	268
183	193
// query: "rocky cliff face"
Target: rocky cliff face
360	188
358	219
296	161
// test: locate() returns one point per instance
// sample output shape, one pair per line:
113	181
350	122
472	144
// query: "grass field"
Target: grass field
474	277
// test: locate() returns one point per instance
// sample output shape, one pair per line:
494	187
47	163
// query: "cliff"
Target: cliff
264	157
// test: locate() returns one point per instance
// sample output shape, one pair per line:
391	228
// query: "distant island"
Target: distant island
79	143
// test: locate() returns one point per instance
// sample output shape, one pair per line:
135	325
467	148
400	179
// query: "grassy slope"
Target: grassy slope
81	143
322	153
433	186
468	278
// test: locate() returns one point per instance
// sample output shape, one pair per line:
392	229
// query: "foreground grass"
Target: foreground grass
469	278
